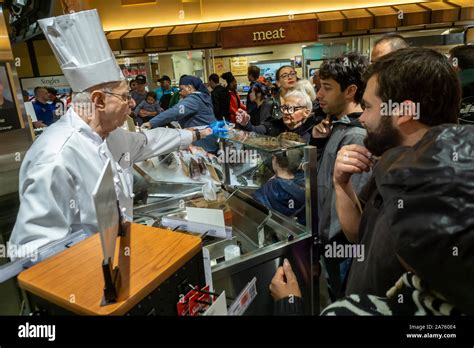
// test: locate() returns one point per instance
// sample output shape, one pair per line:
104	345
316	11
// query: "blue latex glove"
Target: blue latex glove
218	129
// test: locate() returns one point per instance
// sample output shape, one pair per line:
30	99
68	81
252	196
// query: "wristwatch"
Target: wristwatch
198	134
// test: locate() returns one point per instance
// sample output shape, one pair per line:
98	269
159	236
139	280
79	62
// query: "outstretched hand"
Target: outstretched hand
219	129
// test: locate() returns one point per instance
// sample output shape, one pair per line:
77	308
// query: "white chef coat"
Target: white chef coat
61	169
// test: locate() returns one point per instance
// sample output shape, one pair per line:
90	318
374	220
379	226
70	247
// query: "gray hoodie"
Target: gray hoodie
345	131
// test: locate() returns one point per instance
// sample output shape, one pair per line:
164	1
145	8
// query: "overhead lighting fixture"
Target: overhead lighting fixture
137	2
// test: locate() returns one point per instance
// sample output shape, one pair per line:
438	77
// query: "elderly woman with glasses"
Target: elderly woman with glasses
286	81
296	117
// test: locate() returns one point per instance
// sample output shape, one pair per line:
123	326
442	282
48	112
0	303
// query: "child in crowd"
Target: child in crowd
148	108
283	191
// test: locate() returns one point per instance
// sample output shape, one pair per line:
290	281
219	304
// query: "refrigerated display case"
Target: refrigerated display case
263	237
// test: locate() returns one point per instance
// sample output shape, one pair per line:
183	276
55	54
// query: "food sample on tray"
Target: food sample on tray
193	163
268	143
170	160
291	137
202	166
194	169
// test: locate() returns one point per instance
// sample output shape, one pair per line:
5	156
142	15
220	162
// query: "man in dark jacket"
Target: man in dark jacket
219	97
340	95
253	73
436	222
399	110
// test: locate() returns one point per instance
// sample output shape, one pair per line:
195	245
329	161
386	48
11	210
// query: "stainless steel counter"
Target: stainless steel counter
265	238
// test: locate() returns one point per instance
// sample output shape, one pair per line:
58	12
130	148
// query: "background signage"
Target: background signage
270	34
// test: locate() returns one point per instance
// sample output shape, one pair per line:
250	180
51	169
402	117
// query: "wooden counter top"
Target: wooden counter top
73	279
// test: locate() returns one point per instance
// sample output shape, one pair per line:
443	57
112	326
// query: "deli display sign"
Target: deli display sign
270	34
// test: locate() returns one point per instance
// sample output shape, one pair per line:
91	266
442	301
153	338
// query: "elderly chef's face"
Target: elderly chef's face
115	107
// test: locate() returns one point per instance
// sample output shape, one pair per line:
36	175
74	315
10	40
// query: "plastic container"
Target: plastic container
231	252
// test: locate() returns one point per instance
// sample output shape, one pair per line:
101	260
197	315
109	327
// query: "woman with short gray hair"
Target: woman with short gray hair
296	117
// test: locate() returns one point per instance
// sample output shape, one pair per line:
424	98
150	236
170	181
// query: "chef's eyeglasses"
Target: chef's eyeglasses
287	75
290	109
125	97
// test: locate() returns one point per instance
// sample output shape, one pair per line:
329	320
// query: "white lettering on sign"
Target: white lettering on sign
269	35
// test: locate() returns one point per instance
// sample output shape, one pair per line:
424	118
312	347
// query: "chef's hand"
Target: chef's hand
147	125
322	130
218	128
351	159
242	117
284	283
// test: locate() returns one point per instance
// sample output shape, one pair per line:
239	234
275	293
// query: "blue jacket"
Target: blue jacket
44	112
285	196
192	111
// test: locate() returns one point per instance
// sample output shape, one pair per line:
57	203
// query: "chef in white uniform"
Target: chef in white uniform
61	169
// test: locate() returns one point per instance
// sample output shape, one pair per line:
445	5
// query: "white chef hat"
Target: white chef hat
80	46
